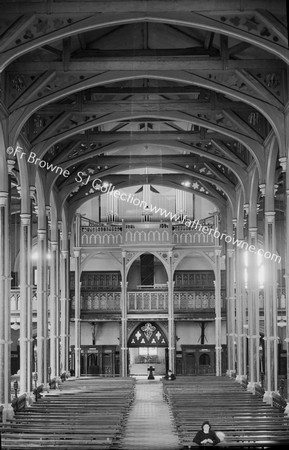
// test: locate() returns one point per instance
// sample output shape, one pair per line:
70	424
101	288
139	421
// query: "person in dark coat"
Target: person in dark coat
170	376
206	435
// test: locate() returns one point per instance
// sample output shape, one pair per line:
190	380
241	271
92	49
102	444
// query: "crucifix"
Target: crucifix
151	375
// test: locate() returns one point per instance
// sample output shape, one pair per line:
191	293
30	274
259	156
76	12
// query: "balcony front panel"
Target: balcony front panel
147	301
99	302
184	236
196	300
102	236
149	234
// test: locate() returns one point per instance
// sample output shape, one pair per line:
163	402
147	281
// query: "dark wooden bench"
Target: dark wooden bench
244	418
88	414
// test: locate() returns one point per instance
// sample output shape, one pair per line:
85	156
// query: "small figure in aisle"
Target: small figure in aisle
151	375
170	376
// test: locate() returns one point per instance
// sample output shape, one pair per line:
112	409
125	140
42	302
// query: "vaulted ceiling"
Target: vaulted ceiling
187	88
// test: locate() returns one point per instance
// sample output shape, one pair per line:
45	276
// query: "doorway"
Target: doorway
140	358
147	345
201	360
198	360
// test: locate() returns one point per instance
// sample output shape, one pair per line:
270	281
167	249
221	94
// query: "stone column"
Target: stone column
77	320
30	347
5	281
25	304
287	288
64	311
270	310
54	310
171	321
253	310
218	318
239	261
123	348
231	314
42	299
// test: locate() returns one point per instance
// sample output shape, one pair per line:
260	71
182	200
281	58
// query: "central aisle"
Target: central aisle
150	424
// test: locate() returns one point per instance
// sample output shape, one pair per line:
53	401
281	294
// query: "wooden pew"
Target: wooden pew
243	417
84	414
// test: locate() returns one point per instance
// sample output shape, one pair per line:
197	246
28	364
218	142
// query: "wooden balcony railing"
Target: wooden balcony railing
151	233
99	302
148	301
196	300
156	300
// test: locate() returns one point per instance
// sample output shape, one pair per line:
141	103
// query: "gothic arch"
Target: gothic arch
193	20
91	256
185	253
147	334
3	162
156	254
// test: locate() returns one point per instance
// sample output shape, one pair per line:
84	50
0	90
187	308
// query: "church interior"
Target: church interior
144	213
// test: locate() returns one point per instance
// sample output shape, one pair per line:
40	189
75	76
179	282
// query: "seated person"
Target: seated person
206	435
170	376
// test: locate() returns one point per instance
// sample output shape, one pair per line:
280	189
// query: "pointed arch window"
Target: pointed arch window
148	334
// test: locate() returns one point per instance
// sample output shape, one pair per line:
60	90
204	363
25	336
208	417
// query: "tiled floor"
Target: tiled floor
150	424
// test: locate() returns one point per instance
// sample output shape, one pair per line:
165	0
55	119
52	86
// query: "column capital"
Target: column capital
270	216
76	252
230	252
25	218
283	161
41	234
253	231
54	245
3	198
64	253
218	252
246	207
48	210
262	188
32	191
10	165
123	253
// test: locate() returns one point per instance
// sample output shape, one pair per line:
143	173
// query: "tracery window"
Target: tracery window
148	334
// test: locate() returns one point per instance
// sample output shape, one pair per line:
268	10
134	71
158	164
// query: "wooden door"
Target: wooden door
92	364
107	362
190	363
205	363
